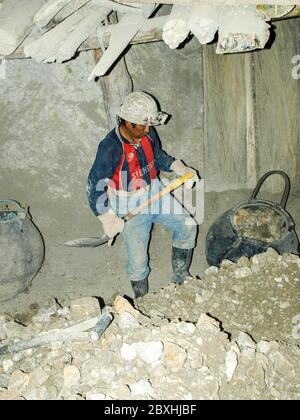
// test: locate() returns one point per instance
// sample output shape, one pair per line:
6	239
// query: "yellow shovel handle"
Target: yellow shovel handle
171	187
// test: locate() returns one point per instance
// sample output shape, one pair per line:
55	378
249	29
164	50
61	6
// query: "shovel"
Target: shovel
97	241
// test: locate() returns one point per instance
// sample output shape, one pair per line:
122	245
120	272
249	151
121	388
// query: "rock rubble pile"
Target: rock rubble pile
170	346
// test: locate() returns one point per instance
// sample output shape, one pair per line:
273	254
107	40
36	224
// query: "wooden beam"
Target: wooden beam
115	87
54	7
76	4
216	2
60	43
151	32
16	21
121	36
250	122
48	11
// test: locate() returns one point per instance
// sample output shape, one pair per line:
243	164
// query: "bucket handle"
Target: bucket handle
287	188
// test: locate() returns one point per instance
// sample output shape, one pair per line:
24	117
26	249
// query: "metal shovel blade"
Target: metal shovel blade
88	242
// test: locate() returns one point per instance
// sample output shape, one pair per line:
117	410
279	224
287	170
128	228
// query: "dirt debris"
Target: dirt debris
258	295
195	341
261	224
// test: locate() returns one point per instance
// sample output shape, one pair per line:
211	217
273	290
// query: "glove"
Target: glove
180	169
112	224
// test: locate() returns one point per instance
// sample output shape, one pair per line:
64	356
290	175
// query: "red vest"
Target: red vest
136	173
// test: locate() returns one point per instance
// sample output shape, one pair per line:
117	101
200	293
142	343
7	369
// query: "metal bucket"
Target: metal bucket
21	249
251	227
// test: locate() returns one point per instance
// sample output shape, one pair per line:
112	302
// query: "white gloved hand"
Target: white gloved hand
180	169
112	224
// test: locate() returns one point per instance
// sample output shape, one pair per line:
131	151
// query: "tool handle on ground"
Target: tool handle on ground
172	186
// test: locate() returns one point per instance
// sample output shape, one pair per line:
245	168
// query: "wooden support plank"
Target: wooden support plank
216	2
115	87
69	9
110	4
119	7
277	107
250	123
61	43
151	32
225	141
121	36
48	11
16	21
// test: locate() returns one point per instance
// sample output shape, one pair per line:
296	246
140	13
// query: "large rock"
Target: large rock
82	308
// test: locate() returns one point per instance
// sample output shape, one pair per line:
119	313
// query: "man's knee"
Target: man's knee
185	236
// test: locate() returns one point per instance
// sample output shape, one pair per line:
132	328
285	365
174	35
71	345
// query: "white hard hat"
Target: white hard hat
141	108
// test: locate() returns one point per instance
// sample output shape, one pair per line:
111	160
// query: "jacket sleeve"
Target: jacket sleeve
162	160
99	177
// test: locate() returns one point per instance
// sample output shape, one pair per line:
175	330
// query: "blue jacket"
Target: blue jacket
108	158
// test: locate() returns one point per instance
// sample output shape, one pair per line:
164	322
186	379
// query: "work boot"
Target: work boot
181	261
140	288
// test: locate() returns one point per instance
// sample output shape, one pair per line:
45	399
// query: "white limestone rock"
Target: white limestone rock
90	396
127	320
211	270
107	374
15	330
243	261
227	264
261	259
87	307
142	387
175	30
38	377
186	328
71	375
230	364
264	346
207	323
203	22
122	305
149	352
242	272
245	340
7	365
4	381
174	356
248	352
128	351
2	329
18	381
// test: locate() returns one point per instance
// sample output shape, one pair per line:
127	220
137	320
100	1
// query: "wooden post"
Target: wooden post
250	122
115	86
